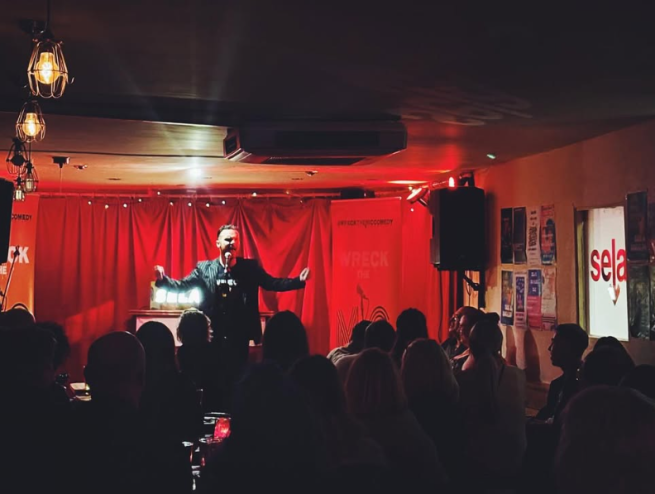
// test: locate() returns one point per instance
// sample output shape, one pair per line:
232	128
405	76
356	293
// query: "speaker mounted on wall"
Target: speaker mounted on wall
458	229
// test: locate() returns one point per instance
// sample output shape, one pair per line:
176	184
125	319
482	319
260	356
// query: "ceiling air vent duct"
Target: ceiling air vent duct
314	143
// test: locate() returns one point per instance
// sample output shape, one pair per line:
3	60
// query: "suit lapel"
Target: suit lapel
212	274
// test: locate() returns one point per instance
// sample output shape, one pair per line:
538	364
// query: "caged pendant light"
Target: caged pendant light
16	157
30	125
47	72
19	192
30	178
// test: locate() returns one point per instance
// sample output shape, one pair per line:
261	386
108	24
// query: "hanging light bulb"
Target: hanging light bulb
47	72
19	192
30	178
30	125
16	157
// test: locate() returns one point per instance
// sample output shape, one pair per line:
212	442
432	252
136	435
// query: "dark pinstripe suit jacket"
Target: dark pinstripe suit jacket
243	304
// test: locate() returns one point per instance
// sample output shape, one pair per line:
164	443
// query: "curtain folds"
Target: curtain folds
94	263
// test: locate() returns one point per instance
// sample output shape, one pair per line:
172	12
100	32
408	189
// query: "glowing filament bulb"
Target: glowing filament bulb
47	70
31	125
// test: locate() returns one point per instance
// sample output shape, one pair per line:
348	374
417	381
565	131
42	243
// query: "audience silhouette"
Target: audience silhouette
391	411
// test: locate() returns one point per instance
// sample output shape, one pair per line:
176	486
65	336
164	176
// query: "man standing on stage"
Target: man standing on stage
230	289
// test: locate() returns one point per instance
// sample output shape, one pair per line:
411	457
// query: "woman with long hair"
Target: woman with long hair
169	403
433	396
375	395
345	438
199	359
492	398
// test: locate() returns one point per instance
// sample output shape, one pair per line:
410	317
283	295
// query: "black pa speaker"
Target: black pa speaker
458	234
6	202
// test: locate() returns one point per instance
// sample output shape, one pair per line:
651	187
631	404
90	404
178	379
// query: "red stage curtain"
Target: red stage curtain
95	264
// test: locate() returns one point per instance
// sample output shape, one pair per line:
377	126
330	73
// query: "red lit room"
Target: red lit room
473	182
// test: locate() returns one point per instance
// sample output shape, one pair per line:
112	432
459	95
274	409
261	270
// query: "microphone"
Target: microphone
360	292
228	258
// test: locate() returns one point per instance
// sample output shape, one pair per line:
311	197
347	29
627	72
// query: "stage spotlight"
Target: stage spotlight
418	195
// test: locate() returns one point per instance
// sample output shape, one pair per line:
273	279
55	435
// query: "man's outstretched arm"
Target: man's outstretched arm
272	284
193	280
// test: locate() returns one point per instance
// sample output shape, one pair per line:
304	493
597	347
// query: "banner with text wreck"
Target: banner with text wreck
21	254
366	262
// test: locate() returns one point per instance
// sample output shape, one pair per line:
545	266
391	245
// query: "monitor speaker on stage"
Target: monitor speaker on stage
458	233
6	202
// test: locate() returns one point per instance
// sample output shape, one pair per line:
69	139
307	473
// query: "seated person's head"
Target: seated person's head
607	443
115	369
357	336
453	323
608	341
380	334
607	365
193	328
426	371
159	345
27	358
469	316
318	377
410	325
285	340
16	317
62	351
642	379
486	338
569	343
373	387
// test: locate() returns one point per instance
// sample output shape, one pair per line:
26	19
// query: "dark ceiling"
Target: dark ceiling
466	78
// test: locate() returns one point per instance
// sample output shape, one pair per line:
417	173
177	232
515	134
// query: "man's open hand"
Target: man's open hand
304	274
159	273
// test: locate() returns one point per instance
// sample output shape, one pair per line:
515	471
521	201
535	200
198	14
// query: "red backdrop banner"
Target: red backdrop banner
366	263
22	237
95	264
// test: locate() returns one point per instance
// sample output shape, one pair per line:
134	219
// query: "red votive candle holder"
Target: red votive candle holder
222	428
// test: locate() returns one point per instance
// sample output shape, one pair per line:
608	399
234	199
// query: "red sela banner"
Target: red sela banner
607	297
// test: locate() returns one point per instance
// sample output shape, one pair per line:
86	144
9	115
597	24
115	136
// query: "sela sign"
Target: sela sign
607	273
611	267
